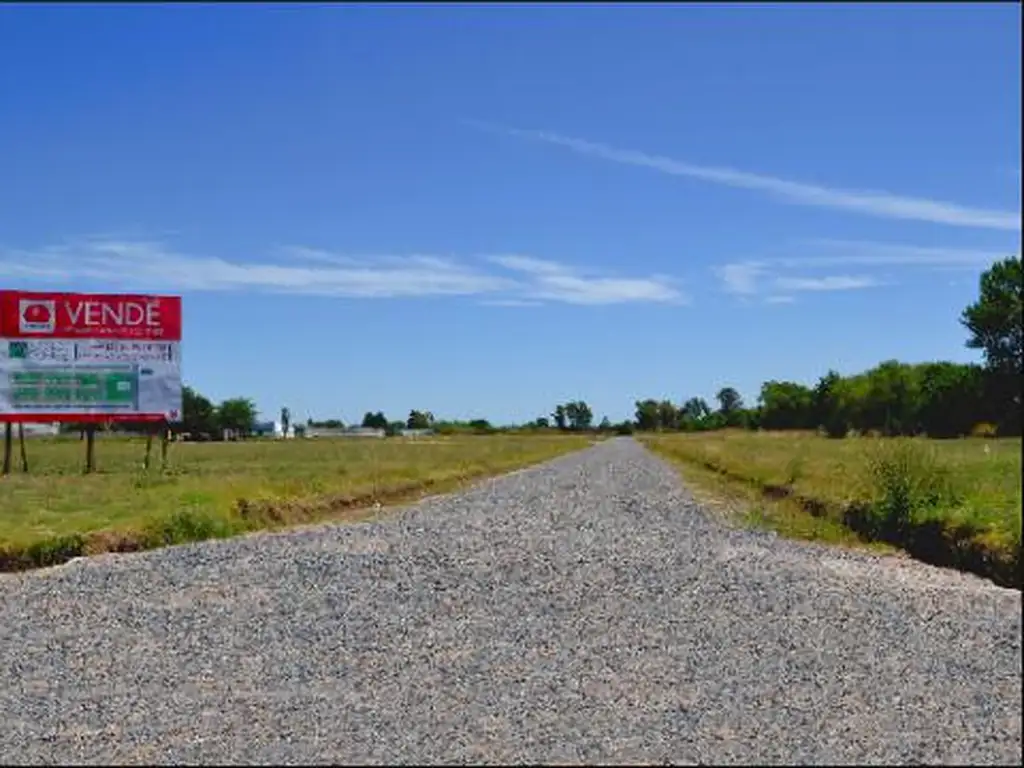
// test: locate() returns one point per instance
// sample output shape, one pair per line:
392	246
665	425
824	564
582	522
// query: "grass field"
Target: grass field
953	502
220	489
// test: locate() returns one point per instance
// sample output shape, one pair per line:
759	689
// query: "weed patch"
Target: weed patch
908	482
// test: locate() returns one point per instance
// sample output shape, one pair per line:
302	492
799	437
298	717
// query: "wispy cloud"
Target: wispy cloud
755	278
741	277
117	264
509	303
550	281
147	265
832	252
868	202
771	276
829	283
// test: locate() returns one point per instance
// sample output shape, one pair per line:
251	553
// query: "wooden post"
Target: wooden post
21	446
149	449
165	441
90	448
8	436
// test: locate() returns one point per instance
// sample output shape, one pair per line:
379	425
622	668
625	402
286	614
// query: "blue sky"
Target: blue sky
484	211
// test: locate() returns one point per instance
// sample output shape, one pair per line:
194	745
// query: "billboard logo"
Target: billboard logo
37	316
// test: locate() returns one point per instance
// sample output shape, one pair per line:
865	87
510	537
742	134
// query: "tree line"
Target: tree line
940	399
201	418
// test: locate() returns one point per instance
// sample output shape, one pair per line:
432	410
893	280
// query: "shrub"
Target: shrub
984	429
55	551
835	428
795	468
187	525
906	478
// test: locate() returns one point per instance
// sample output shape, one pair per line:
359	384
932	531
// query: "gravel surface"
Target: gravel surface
582	611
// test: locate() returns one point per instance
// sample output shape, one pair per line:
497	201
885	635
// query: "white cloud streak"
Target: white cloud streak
867	253
556	282
509	303
868	202
829	283
741	277
752	278
117	264
758	277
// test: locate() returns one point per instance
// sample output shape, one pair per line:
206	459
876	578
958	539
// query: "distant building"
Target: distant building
364	432
272	429
343	432
41	429
325	431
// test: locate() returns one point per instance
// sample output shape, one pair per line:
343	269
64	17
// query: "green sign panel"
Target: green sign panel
63	389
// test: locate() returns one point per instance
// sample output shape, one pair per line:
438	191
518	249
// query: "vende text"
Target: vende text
122	314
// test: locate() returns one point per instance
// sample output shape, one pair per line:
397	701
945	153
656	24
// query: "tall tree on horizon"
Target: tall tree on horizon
996	326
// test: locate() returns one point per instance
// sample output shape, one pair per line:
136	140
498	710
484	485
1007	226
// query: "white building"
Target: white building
343	432
41	430
273	429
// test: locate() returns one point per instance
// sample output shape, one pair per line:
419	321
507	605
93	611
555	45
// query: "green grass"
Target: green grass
747	504
954	502
214	490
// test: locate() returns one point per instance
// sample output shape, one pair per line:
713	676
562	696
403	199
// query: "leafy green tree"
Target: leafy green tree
952	398
994	321
419	420
648	415
827	408
579	415
729	401
891	400
560	417
785	405
714	420
605	424
696	409
199	416
571	415
286	419
375	420
750	418
585	415
669	417
996	326
624	428
237	414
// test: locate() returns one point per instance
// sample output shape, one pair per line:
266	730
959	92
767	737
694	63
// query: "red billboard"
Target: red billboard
89	357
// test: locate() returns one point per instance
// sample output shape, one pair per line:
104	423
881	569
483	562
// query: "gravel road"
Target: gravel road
582	611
